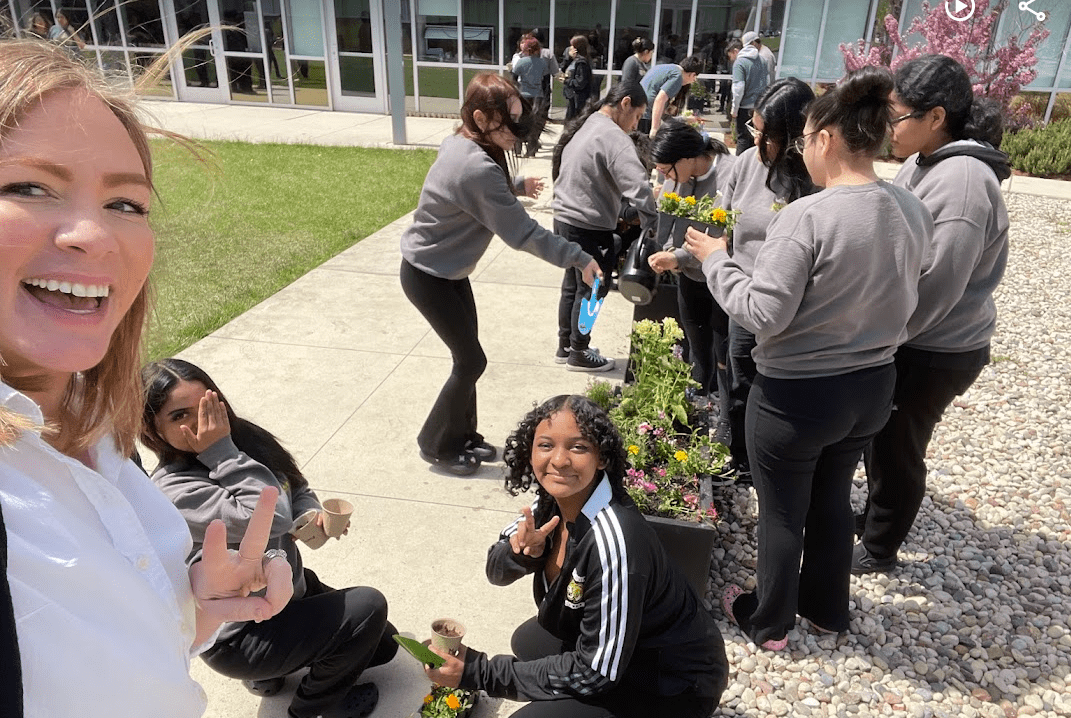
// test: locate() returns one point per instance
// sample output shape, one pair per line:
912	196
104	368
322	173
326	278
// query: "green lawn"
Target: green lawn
257	218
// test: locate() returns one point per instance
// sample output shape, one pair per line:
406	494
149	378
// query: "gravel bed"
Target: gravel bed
974	621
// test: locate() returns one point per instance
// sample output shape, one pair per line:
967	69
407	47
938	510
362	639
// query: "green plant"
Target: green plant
667	455
445	702
702	209
1042	151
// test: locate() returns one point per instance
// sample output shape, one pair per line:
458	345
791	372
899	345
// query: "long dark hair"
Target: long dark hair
594	425
858	107
637	98
933	81
491	93
781	109
160	377
677	140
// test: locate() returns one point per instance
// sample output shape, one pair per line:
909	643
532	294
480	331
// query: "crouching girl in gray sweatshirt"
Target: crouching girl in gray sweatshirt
213	466
828	301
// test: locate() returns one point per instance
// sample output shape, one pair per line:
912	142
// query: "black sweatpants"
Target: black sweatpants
744	140
805	437
450	309
531	642
742	373
926	383
335	633
706	325
599	244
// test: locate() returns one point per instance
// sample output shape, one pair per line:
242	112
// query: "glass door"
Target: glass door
358	82
203	77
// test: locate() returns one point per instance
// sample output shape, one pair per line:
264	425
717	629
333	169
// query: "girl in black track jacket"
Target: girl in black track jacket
620	631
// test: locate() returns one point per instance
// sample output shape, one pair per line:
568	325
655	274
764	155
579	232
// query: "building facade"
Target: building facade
333	53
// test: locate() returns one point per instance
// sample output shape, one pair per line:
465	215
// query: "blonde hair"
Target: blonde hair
105	399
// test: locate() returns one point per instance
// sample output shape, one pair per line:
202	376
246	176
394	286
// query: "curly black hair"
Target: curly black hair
595	426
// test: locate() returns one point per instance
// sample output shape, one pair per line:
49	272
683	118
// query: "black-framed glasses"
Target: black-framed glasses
755	132
800	143
913	115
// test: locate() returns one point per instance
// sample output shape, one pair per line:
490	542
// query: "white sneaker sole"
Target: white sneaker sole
608	366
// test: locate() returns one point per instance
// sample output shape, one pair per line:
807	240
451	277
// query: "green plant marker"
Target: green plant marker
420	652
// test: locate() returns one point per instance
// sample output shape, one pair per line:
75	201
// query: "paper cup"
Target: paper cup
307	530
446	635
336	516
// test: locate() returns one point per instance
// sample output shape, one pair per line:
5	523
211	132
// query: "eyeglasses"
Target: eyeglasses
913	115
800	143
755	133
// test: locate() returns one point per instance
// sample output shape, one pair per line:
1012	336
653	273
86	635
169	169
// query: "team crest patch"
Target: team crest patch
574	592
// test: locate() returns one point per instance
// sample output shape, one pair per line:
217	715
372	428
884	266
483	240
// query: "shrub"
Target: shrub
1042	151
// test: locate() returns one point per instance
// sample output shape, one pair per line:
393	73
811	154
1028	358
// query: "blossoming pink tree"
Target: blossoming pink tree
998	72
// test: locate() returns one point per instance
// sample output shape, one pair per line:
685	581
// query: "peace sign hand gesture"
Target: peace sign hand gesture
223	579
530	540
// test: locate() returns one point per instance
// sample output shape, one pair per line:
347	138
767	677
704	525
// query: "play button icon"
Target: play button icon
959	10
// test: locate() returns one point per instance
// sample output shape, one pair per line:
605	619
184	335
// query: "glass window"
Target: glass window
142	22
800	42
34	17
163	87
589	18
635	18
306	29
845	23
715	27
310	82
353	25
357	75
437	31
480	29
521	18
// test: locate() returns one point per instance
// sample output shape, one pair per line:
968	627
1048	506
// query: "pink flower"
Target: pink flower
648	486
643	428
659	431
692	500
661	472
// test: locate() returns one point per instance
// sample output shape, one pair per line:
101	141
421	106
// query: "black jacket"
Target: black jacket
623	613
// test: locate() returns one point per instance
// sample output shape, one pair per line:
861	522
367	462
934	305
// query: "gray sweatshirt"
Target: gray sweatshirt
225	484
749	79
745	190
599	167
968	255
834	283
465	201
709	184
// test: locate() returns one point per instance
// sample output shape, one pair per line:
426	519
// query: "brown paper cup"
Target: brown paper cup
446	635
336	516
307	530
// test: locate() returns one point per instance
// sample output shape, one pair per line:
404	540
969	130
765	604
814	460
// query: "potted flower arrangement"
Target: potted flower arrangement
671	456
679	213
443	702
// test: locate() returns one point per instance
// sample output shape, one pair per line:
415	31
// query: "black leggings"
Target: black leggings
599	244
336	633
706	326
450	309
531	642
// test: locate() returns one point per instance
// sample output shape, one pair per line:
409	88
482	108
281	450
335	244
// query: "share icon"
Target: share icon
1025	7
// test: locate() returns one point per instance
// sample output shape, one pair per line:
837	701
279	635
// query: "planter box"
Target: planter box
690	545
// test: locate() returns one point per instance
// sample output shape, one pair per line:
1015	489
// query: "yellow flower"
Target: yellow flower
428	699
672	196
453	702
633	449
680	455
689	201
719	215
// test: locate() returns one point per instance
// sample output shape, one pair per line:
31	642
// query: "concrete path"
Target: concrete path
343	370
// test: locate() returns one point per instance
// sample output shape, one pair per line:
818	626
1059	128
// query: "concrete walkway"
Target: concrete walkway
343	370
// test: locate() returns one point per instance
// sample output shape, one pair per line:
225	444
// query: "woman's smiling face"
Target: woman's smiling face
564	462
75	242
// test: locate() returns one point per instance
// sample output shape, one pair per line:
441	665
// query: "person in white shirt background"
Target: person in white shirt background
106	615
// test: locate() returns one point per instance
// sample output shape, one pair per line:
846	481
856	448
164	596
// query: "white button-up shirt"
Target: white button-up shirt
103	608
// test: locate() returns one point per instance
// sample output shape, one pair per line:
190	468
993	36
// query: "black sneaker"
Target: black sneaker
562	355
589	360
860	525
863	562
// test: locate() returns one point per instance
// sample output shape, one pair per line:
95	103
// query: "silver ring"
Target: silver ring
270	554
